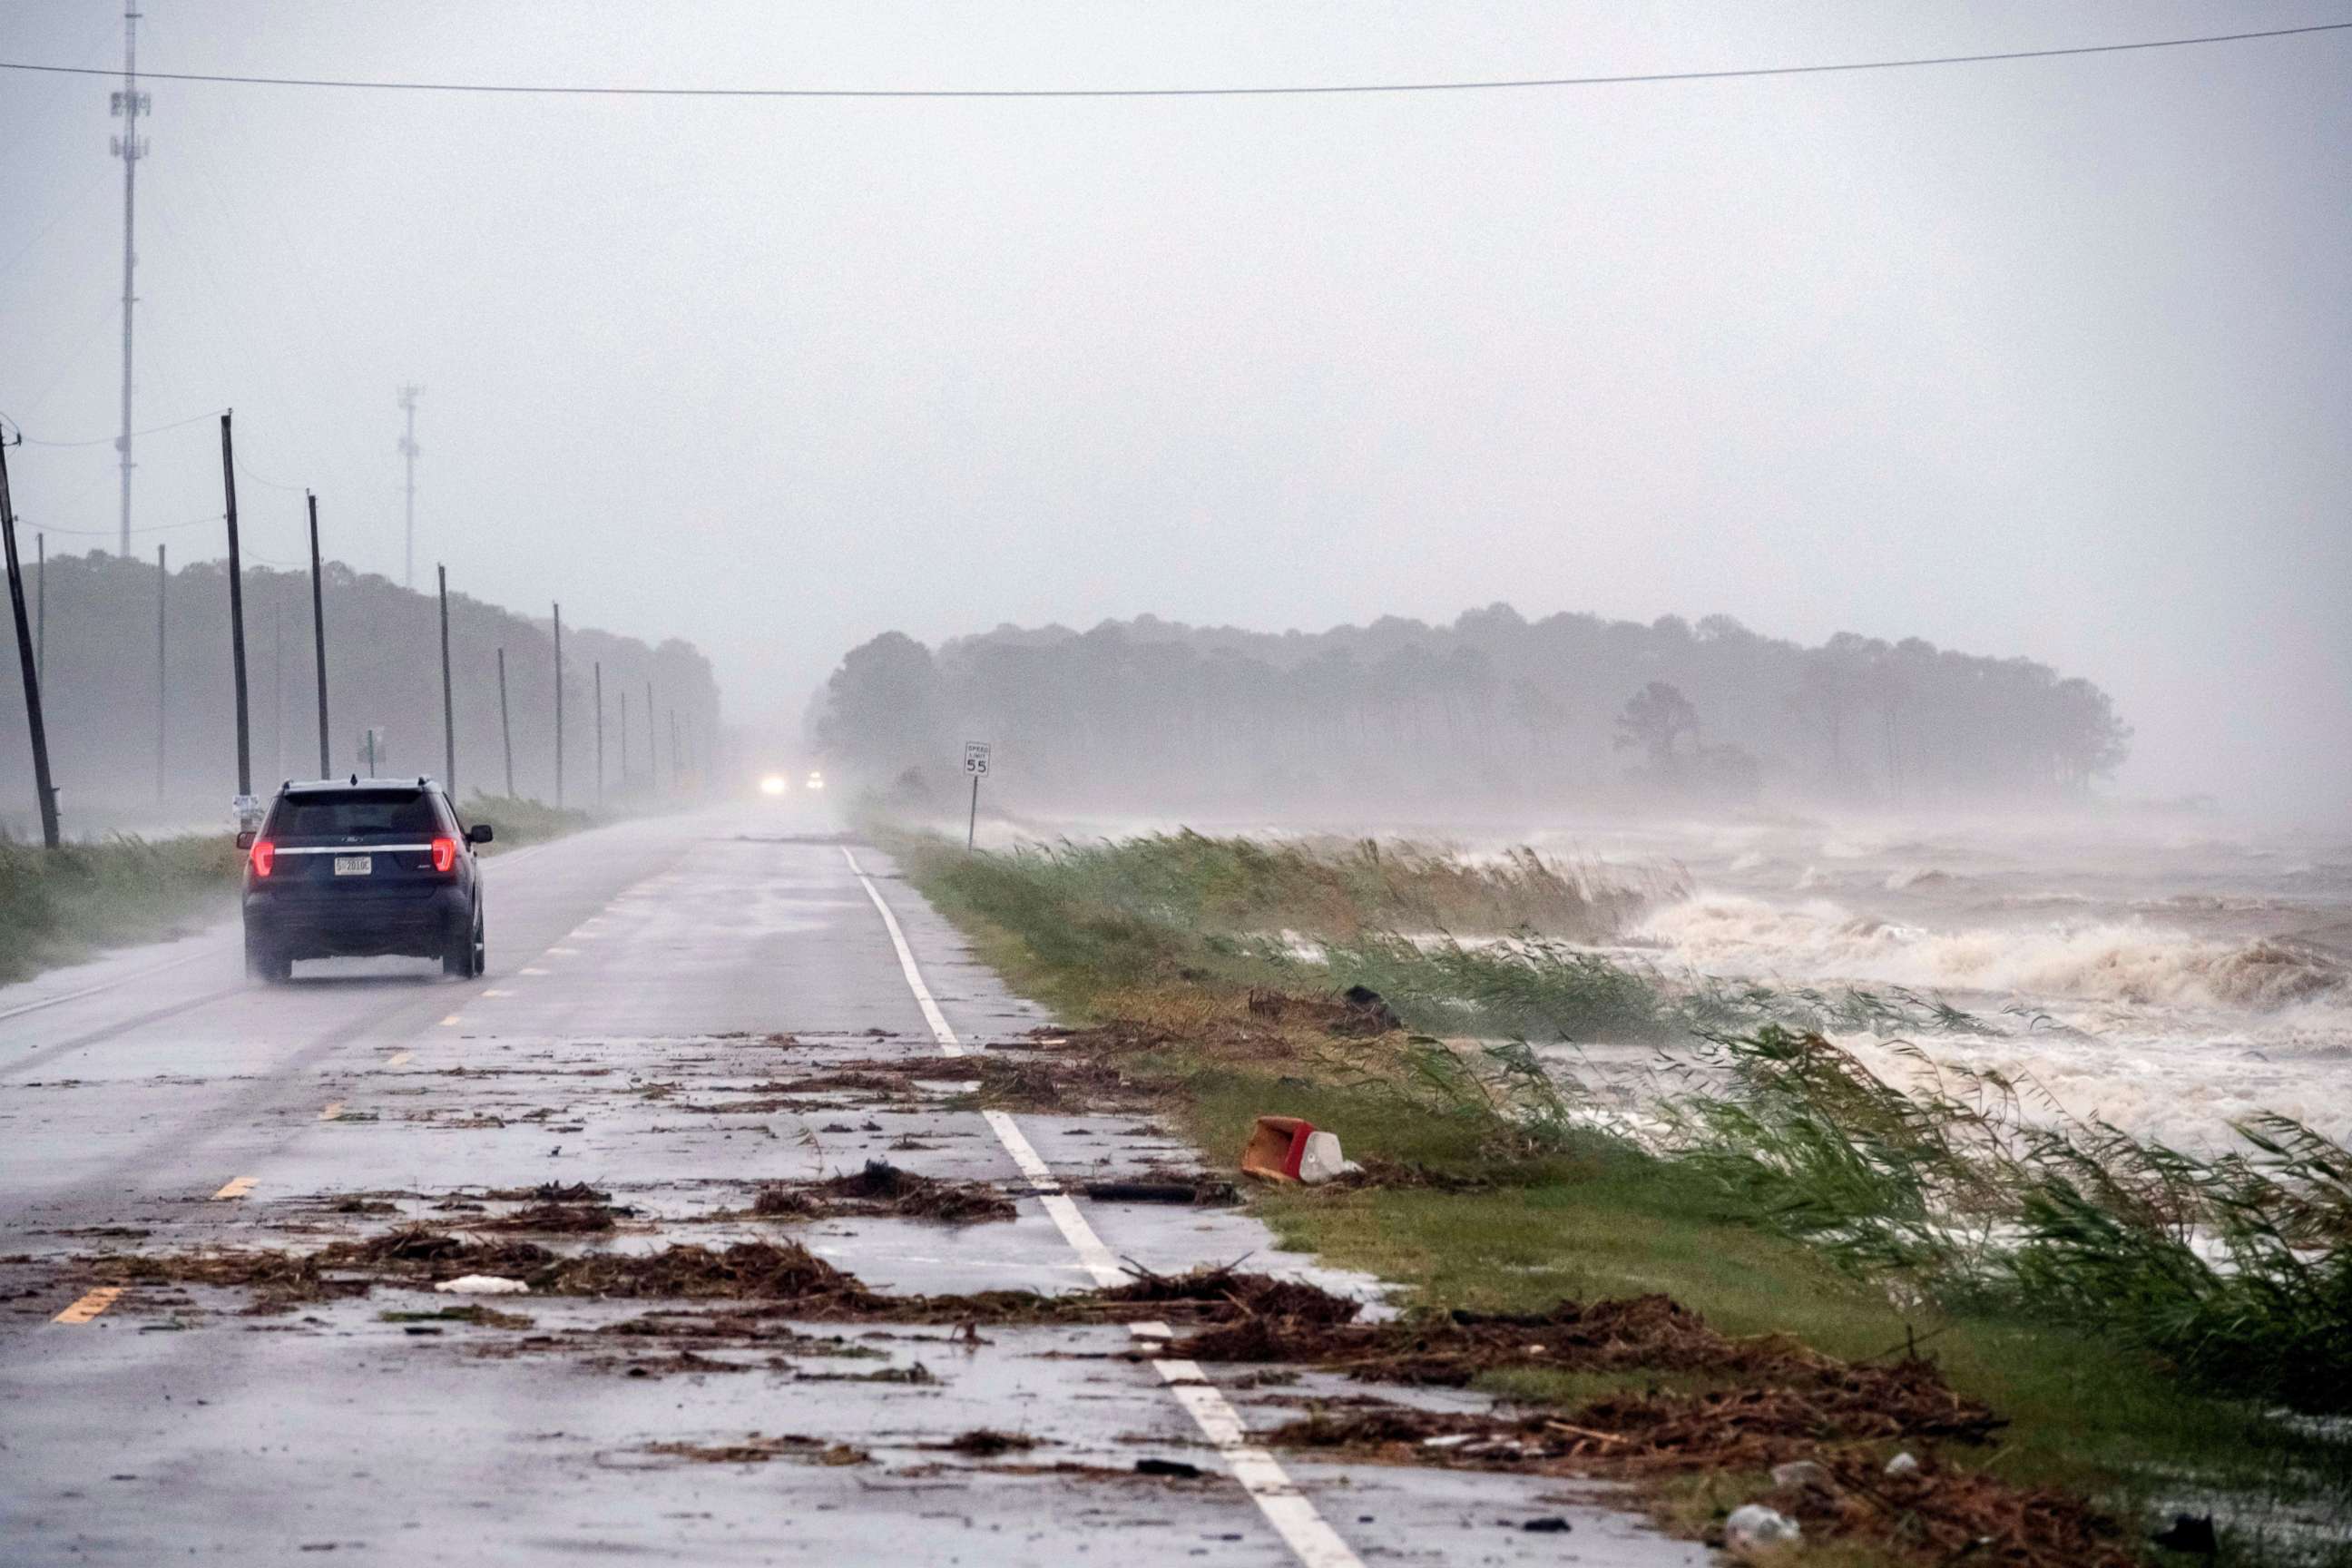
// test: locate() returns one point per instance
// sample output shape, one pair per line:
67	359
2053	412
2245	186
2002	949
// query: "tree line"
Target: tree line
109	724
1493	708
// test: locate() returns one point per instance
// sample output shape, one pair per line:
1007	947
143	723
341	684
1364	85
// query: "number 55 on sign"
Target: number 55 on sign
975	763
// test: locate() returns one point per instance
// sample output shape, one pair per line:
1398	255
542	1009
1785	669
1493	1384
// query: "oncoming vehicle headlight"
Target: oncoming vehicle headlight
774	784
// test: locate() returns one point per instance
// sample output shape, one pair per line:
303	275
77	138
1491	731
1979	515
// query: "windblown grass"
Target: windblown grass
2236	1267
521	821
59	906
1339	889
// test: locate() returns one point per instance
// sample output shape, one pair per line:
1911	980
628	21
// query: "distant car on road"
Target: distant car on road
815	779
362	867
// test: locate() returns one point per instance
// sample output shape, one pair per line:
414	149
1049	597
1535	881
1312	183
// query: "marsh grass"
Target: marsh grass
2235	1268
1339	889
522	821
59	906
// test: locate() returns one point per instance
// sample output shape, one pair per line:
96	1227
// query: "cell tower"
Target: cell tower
130	107
408	449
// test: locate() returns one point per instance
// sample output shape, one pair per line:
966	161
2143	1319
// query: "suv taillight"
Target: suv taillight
265	857
444	854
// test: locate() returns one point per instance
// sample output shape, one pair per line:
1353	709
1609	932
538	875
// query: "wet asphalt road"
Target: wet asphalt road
640	978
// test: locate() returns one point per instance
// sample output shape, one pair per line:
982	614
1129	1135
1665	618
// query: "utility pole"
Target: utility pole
130	106
449	702
675	784
653	753
506	731
559	708
319	635
41	606
27	662
278	680
408	450
162	681
599	734
237	615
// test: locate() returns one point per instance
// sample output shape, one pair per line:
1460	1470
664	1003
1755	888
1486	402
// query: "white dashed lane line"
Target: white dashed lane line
1292	1513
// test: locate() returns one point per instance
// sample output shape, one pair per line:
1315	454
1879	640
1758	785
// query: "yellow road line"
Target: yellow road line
397	1058
564	951
528	970
450	1022
235	1189
90	1305
495	992
334	1109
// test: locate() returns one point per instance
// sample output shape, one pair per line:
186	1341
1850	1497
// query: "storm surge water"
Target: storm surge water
2168	982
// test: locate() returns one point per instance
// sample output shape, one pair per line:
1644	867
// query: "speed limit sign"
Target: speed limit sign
975	763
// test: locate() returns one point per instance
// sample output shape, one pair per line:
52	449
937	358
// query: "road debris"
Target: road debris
550	1193
554	1218
1290	1149
758	1449
884	1188
1755	1533
1198	1191
482	1285
482	1317
986	1442
1358	1013
1256	1297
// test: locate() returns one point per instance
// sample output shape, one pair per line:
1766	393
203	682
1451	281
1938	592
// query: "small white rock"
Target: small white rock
1902	1465
1799	1473
482	1285
1753	1531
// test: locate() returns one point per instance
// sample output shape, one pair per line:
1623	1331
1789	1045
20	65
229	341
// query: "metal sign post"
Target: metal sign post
975	763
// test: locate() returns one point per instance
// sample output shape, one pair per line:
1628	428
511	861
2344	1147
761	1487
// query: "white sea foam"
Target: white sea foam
2143	964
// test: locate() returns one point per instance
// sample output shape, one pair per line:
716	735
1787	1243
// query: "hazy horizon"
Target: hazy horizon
2041	358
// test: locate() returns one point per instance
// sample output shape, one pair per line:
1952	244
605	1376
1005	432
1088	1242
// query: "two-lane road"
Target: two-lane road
648	983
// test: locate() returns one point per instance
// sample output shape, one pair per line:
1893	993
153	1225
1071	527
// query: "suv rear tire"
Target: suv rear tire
265	961
463	959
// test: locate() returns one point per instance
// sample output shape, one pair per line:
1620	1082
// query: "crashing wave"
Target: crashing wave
1819	942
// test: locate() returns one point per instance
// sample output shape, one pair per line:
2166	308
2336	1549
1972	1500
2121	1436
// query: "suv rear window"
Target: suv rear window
356	813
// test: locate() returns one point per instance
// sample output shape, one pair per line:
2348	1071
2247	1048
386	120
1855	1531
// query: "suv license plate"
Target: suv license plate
354	864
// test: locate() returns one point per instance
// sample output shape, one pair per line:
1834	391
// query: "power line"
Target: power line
149	430
144	527
1292	91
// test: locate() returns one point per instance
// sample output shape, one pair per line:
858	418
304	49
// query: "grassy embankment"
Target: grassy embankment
66	905
2046	1270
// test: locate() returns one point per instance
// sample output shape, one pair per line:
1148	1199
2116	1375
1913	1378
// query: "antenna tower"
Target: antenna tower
130	107
408	450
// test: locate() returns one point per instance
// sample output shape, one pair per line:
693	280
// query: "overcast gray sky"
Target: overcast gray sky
2049	357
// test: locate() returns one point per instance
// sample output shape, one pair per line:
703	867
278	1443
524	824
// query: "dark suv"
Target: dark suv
364	867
